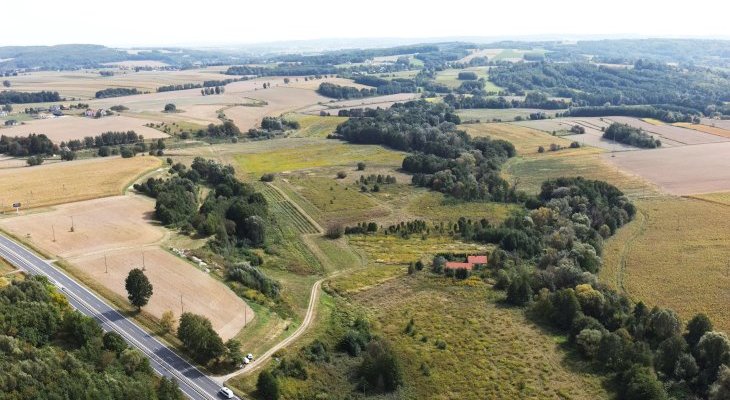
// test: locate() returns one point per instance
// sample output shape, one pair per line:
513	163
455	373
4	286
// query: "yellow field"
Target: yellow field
314	125
721	197
67	182
324	154
653	121
394	250
705	128
675	254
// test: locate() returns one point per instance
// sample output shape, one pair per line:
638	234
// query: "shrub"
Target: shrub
341	175
335	231
361	166
267	177
34	160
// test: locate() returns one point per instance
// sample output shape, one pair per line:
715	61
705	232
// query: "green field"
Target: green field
314	125
437	208
327	153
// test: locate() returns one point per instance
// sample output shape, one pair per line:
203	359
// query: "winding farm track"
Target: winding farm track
621	272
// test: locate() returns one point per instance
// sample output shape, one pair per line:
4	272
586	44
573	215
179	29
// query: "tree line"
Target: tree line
344	92
116	92
386	87
13	97
110	138
31	145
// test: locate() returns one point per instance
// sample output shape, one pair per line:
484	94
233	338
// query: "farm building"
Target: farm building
471	262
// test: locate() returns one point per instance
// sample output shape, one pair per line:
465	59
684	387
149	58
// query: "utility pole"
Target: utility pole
53	229
72	224
182	309
144	267
106	266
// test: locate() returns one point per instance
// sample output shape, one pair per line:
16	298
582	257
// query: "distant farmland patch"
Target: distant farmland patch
69	128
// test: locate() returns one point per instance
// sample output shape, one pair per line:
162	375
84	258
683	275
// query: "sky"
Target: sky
216	22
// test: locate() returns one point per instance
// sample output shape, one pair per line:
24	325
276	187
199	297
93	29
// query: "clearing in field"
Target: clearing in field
449	77
395	250
335	201
314	125
435	207
293	155
674	254
113	235
68	128
67	182
491	351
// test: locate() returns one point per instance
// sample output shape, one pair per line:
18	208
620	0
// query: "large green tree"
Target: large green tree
197	334
139	288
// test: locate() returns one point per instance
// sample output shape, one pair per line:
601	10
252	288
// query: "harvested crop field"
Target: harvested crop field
718	123
674	254
68	128
593	135
278	101
333	107
67	182
670	135
680	170
713	130
502	114
117	233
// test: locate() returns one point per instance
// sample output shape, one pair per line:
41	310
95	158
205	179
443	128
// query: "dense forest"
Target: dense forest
385	86
646	82
344	92
443	158
115	92
13	97
50	351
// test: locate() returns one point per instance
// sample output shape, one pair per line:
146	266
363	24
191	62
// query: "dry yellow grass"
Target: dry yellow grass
492	352
526	140
705	128
67	182
675	254
394	250
653	121
721	197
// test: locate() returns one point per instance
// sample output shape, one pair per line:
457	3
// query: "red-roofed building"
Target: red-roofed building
477	260
471	261
459	265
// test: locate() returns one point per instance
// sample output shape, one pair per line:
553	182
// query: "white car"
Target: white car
226	393
246	361
250	357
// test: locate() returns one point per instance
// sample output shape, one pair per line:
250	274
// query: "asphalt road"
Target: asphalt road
193	383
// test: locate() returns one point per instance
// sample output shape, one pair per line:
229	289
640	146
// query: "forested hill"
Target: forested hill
643	83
